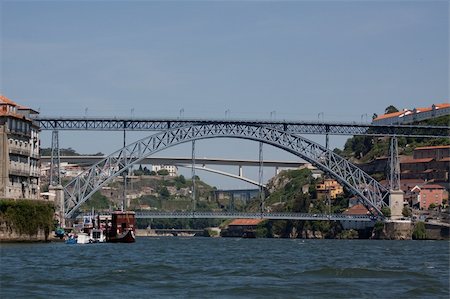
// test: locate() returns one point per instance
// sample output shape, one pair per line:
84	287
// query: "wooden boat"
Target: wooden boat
122	229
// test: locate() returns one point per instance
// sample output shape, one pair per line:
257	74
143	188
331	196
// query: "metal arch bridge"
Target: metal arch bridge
292	127
81	188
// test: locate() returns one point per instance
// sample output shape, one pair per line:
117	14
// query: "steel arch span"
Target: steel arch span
81	188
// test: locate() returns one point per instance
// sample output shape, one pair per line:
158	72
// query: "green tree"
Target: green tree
164	192
386	211
420	232
263	230
406	212
163	172
390	109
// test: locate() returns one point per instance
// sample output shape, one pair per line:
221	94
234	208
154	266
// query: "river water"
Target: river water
173	267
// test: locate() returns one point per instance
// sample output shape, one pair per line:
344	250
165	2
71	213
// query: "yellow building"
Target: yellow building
329	189
19	151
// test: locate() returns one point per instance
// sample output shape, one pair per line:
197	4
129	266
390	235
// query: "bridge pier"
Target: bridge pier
58	191
396	203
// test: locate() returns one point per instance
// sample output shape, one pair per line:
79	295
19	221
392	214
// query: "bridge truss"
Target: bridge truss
372	194
293	127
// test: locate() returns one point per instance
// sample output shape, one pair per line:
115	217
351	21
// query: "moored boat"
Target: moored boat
122	228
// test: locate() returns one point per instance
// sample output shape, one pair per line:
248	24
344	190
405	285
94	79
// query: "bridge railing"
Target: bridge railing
234	215
293	127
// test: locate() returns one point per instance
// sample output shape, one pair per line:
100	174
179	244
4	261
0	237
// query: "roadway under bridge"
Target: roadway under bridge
239	215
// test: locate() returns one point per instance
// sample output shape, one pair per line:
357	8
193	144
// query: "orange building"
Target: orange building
329	188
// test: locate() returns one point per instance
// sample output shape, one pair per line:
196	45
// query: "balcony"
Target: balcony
19	169
19	151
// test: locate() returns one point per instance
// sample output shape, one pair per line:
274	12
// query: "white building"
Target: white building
172	169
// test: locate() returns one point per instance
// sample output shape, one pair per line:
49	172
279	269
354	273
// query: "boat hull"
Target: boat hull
126	237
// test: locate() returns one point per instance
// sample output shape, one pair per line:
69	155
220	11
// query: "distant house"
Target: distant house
358	210
172	169
427	163
424	196
242	228
329	188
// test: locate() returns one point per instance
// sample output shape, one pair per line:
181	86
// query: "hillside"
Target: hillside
362	149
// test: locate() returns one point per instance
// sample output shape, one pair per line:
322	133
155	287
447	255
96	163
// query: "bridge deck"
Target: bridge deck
294	127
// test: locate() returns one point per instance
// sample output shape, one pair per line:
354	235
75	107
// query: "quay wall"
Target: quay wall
10	235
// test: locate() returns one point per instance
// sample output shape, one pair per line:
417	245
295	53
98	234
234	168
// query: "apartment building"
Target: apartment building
19	151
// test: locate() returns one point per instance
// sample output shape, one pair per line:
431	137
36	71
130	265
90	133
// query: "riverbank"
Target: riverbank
25	220
391	230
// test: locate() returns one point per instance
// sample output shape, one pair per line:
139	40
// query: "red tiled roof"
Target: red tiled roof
443	105
358	209
432	186
246	222
407	111
419	110
409	160
432	147
389	115
5	100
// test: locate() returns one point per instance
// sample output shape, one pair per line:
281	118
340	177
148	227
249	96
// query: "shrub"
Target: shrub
406	212
386	211
419	233
27	216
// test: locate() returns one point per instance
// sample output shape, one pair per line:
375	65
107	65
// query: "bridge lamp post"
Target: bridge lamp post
320	114
362	116
227	113
181	112
273	115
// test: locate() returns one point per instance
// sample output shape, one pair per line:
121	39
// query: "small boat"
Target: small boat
83	238
97	236
122	228
71	240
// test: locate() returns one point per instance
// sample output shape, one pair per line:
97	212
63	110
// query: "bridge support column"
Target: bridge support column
55	170
58	191
396	203
241	173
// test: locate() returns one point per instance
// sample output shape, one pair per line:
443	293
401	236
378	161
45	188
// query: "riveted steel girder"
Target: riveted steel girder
294	127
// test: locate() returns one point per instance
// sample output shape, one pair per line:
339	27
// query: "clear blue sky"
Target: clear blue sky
298	58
